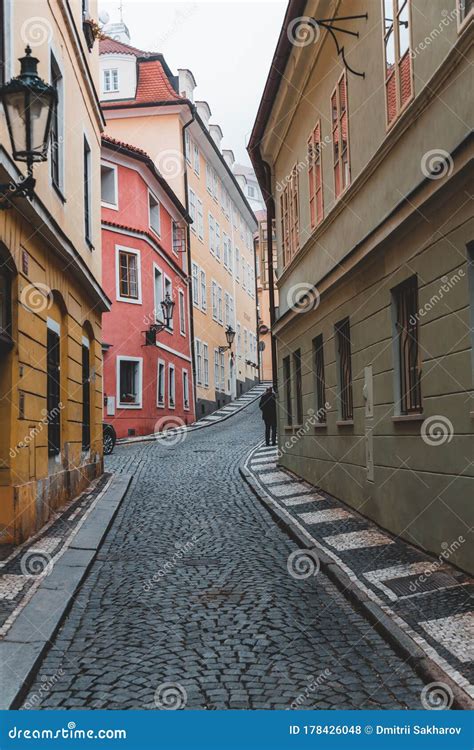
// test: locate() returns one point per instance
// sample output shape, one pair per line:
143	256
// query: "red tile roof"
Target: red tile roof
109	46
153	83
122	144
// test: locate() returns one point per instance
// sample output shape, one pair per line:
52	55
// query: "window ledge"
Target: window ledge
59	192
288	428
408	418
320	425
345	423
471	414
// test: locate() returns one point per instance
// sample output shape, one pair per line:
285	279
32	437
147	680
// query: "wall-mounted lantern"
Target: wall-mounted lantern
167	307
29	104
230	335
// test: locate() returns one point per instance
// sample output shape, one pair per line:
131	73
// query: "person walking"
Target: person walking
267	406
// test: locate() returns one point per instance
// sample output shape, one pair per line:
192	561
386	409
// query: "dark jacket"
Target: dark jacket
268	406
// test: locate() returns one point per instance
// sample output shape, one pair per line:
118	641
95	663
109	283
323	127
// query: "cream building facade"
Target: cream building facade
369	178
50	266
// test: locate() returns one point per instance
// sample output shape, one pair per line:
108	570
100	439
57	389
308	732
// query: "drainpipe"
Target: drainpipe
257	306
270	205
190	274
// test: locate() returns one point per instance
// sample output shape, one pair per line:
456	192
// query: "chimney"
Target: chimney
187	84
204	112
216	134
229	157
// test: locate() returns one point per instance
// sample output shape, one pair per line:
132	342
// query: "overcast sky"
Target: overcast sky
227	45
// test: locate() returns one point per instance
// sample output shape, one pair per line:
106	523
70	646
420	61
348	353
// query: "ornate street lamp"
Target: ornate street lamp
230	335
167	307
29	104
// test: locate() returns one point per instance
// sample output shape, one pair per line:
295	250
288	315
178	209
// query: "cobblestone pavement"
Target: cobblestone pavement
190	602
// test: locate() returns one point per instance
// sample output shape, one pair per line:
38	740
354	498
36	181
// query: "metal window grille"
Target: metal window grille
53	393
406	297
345	369
86	399
320	380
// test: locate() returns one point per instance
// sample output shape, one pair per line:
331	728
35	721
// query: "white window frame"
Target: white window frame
205	365
139	360
214	304
112	88
182	312
198	355
161	364
171	386
114	169
158	309
217	245
186	389
195	267
200	219
192	200
220	311
196	159
203	288
166	278
61	88
187	146
216	368
132	251
155	230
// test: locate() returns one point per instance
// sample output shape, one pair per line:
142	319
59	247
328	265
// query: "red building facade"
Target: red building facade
147	387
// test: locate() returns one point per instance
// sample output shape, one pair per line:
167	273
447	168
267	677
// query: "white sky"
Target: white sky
228	46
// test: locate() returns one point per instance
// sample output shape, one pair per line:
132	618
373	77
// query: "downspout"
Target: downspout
257	306
190	276
270	205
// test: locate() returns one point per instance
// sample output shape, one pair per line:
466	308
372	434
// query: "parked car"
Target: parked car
109	437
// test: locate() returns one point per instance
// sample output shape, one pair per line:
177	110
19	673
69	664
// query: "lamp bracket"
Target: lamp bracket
328	24
22	189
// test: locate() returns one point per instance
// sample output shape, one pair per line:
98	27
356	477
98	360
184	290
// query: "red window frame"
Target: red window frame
340	137
398	63
289	217
315	177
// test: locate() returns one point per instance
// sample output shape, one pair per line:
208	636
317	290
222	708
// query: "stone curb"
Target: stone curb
403	644
29	638
188	428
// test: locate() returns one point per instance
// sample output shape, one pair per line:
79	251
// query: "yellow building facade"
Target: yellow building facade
50	265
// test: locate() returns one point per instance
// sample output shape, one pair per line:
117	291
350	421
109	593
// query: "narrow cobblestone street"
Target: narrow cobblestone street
222	620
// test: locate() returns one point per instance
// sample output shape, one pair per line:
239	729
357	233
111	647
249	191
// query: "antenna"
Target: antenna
121	11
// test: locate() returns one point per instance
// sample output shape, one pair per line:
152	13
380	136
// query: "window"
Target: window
108	185
225	245
245	343
182	313
407	355
398	73
187	146
5	309
128	276
237	264
86	396
470	280
465	8
298	386
214	299
198	352
160	385
218	241
287	386
230	266
129	382
216	369
219	304
212	234
340	139
239	341
154	213
315	176
222	370
158	282
87	192
53	389
319	378
251	192
111	80
192	208
57	127
206	365
203	291
289	217
227	308
185	389
344	369
195	280
209	178
196	164
200	220
171	387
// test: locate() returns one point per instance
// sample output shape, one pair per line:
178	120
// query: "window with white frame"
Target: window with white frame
208	177
245	343
111	80
244	274
237	264
128	275
182	313
192	208
129	382
158	286
154	213
185	389
214	300
187	146
227	308
200	220
171	387
218	241
198	353
203	291
196	159
231	312
222	370
215	184
230	266
108	185
205	358
57	127
251	192
219	304
212	234
195	282
239	341
225	245
216	369
160	383
87	191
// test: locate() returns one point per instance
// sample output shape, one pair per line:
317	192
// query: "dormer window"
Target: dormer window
111	80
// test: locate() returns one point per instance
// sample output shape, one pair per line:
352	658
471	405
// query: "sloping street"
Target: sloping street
190	603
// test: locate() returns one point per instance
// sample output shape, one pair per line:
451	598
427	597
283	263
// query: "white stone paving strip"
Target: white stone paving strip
397	571
48	544
273	477
287	490
455	633
301	500
323	516
357	540
11	585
